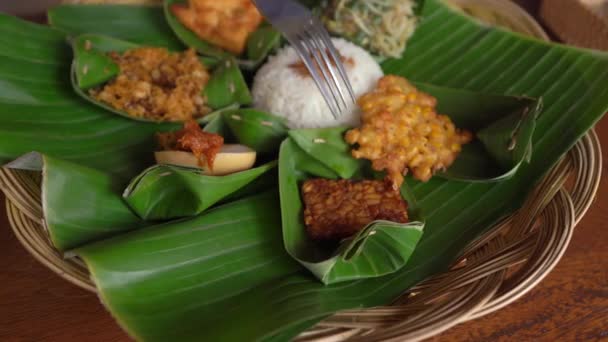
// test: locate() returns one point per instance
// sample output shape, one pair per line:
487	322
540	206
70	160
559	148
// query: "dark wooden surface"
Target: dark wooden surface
571	304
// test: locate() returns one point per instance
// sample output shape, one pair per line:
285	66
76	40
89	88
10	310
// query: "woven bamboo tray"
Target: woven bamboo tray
495	270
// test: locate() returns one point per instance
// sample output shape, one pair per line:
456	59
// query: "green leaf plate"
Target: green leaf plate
93	67
261	131
503	125
39	110
327	146
227	86
380	248
165	192
142	25
182	270
448	49
67	188
161	298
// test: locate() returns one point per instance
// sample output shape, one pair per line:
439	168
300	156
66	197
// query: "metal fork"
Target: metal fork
308	36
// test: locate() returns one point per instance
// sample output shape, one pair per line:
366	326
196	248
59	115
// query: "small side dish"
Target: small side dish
382	27
226	24
156	84
337	209
342	223
401	131
193	147
284	87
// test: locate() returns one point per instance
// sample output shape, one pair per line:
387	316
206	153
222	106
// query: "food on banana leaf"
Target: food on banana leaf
156	84
402	132
144	297
284	87
193	147
338	209
338	222
383	27
226	24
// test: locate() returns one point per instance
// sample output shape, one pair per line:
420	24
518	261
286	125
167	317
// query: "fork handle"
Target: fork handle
279	9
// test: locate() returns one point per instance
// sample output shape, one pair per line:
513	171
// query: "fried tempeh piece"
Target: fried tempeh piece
338	209
226	23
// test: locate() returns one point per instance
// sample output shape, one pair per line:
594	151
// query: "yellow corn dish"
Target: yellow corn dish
400	131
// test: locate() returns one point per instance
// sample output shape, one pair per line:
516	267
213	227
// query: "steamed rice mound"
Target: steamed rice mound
282	88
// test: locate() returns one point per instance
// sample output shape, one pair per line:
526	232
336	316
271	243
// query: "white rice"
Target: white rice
282	91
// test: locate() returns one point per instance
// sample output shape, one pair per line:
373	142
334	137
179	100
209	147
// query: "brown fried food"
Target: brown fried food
156	84
338	209
401	131
192	138
226	23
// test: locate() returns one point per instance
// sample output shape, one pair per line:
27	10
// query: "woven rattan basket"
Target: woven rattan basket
492	272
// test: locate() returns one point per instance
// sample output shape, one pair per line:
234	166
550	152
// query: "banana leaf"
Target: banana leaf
266	181
165	192
259	44
80	204
214	123
90	54
503	125
227	86
448	49
380	248
143	25
327	146
451	50
181	271
93	67
261	131
39	111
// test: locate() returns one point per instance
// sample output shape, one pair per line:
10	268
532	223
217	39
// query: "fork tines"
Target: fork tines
311	41
314	46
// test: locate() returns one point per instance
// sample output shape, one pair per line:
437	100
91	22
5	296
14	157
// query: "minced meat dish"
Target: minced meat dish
157	85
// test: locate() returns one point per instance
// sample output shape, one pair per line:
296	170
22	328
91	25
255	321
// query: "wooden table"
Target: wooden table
571	304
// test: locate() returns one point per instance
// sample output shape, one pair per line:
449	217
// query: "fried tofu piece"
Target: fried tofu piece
226	23
338	209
